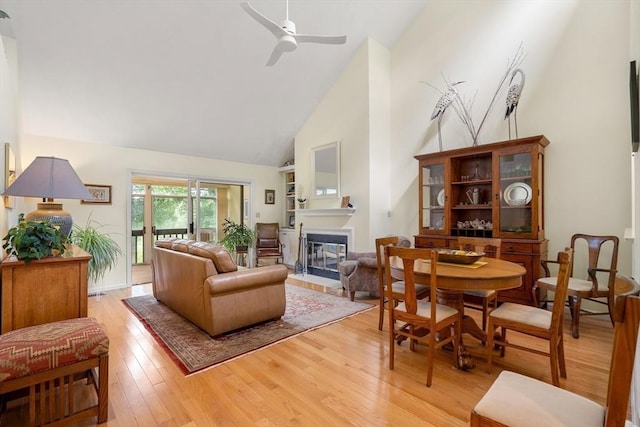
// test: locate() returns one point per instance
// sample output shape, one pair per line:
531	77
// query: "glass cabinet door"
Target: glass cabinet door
517	198
432	198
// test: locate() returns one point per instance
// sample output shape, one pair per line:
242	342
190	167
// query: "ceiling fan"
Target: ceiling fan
286	33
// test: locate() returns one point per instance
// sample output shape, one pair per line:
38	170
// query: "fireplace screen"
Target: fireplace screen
324	253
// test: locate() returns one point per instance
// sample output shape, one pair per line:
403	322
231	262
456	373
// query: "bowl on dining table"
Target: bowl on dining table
458	256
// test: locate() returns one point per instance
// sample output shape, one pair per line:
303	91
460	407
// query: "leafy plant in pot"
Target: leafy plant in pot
103	249
236	236
32	240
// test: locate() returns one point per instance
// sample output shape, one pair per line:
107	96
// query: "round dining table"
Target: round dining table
454	279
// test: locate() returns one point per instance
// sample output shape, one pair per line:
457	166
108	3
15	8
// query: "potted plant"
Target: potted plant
236	236
32	240
103	249
301	199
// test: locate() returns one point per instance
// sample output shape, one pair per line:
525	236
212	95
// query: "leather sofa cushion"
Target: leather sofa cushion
219	255
166	243
181	245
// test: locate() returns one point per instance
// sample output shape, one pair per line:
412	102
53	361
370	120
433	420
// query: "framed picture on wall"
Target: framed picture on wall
101	195
269	197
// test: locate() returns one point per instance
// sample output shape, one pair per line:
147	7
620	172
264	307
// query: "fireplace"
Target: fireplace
325	252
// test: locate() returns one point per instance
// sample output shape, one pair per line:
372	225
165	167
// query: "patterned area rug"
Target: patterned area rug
193	349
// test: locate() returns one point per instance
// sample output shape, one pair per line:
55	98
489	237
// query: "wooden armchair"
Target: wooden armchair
590	288
268	242
515	400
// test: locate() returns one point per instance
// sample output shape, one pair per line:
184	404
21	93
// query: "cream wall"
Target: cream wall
8	117
104	164
341	116
576	94
355	112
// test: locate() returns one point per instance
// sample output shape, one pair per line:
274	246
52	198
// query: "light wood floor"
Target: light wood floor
334	376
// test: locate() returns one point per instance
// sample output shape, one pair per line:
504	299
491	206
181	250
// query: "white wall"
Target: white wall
104	164
576	94
342	115
8	117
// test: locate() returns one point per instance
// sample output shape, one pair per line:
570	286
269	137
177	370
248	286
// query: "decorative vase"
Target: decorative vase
301	205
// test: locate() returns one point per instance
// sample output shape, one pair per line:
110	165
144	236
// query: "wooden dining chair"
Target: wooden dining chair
487	298
422	291
536	322
412	318
590	288
514	399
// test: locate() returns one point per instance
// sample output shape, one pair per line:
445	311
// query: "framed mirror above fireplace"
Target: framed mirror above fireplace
325	164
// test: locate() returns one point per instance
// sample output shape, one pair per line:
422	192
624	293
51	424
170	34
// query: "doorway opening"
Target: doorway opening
185	208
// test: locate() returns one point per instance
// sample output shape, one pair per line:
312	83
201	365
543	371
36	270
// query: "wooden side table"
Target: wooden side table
44	291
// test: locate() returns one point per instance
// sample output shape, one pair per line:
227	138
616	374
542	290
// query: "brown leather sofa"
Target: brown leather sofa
201	282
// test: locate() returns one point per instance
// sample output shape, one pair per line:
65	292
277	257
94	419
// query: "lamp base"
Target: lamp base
53	213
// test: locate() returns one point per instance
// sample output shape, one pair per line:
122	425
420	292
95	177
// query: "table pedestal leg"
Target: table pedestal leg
455	299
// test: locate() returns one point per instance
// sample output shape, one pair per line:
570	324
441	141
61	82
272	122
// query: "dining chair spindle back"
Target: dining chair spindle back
488	298
422	291
536	322
412	318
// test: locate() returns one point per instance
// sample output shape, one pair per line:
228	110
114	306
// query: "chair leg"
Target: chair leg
490	333
503	332
103	389
610	305
575	318
534	291
553	361
457	341
381	315
563	366
431	354
392	341
485	309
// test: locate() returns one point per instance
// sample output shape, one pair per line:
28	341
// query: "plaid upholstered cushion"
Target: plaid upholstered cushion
28	351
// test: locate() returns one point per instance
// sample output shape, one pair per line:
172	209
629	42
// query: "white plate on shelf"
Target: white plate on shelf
441	197
517	194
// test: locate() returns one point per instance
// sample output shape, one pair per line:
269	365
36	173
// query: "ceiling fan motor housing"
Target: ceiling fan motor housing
287	43
288	26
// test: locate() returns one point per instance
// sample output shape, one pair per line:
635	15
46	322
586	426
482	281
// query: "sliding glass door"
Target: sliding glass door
184	208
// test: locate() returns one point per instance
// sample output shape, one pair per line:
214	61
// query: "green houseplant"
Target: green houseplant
32	240
103	249
236	235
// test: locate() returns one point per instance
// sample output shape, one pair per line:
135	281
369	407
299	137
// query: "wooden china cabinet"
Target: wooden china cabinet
491	190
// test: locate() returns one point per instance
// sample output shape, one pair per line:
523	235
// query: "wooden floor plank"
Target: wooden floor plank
337	375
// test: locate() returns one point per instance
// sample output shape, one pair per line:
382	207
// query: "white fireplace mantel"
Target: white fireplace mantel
326	212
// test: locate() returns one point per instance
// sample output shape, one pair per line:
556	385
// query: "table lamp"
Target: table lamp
49	178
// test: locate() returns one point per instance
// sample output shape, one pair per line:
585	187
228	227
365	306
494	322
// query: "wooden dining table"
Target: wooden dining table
454	279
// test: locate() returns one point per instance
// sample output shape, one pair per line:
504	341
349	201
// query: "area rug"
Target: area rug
193	349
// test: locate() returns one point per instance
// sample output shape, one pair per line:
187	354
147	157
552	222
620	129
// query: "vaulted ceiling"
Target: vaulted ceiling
184	76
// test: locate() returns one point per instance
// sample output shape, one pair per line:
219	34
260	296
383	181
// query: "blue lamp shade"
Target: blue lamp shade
49	178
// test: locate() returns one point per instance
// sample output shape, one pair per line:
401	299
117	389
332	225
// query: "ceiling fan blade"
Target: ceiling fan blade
306	38
275	55
274	28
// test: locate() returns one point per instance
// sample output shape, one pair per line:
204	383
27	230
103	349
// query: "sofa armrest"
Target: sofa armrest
240	280
354	256
368	263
